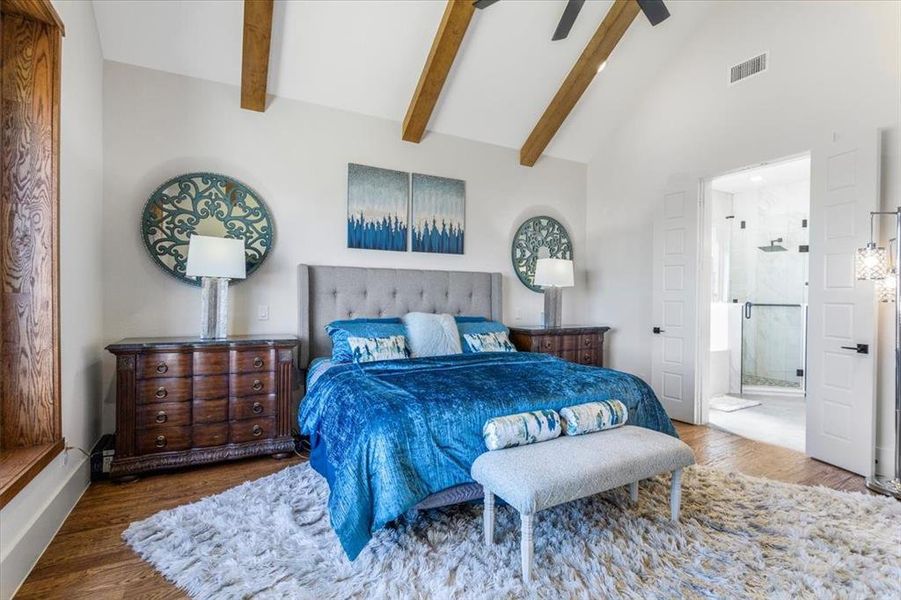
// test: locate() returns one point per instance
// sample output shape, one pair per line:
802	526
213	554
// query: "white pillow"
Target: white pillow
432	335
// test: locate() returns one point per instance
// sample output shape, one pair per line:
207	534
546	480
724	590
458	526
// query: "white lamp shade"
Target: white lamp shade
216	257
554	272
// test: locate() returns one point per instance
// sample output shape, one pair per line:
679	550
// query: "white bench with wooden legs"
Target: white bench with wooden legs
537	476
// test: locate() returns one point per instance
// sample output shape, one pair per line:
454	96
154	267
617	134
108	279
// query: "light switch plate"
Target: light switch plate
263	312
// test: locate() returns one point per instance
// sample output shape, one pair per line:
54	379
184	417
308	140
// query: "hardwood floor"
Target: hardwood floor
88	559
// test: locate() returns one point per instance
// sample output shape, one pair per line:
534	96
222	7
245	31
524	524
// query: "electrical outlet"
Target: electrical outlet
263	312
517	314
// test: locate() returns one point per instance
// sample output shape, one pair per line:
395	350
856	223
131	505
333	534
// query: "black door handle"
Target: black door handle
859	348
658	330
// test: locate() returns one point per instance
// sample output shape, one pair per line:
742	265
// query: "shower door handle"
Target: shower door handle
658	330
859	348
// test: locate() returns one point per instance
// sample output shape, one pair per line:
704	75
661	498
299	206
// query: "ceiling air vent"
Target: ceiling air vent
748	68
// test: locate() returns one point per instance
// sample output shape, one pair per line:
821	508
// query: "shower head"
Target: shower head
773	247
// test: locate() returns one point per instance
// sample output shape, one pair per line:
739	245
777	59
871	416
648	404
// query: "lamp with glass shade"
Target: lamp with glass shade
216	261
553	274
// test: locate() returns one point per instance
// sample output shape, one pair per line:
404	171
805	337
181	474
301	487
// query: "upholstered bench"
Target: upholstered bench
537	476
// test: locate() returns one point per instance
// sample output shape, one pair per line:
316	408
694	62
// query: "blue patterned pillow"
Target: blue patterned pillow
474	330
383	338
493	341
593	416
521	429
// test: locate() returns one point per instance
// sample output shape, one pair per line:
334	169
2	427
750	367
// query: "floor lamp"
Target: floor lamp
871	264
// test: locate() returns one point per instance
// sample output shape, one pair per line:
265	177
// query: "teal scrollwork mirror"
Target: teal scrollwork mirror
538	237
204	204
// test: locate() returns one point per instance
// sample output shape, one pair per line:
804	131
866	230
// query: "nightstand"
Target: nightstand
190	401
578	344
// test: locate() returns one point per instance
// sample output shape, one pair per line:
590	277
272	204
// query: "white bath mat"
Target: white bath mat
732	403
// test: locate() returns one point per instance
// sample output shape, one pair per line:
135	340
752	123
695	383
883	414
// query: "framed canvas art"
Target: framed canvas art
377	207
439	214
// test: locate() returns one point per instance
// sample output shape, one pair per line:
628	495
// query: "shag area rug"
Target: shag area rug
740	537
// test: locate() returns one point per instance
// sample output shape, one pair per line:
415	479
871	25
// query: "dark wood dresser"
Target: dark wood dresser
188	401
583	345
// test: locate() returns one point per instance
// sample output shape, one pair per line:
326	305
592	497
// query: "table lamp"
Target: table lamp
215	260
553	274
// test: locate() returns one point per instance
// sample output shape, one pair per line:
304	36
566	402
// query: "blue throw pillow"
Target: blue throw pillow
484	336
363	340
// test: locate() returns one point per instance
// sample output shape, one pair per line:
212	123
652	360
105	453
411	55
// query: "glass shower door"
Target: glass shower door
772	338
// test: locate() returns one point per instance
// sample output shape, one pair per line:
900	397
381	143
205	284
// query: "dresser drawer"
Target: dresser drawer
570	342
545	343
210	411
164	364
251	429
213	434
208	362
163	439
587	357
589	341
160	414
166	389
253	361
210	387
252	407
251	384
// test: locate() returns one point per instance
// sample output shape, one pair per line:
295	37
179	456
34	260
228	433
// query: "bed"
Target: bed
390	436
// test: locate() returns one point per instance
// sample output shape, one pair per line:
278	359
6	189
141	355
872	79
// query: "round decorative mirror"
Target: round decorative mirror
538	237
204	204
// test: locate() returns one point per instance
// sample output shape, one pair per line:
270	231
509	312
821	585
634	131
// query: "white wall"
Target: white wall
158	125
834	66
29	521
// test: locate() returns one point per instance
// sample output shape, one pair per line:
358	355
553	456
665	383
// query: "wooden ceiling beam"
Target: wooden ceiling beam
255	57
454	23
602	43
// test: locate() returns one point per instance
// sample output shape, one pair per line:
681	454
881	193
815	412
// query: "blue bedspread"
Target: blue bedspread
387	434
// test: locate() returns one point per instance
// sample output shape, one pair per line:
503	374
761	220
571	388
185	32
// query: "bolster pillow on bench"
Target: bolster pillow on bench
521	429
593	416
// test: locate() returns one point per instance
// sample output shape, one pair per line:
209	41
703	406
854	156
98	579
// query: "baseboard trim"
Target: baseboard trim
25	552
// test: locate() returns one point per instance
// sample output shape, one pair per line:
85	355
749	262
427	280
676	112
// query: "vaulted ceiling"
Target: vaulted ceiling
366	57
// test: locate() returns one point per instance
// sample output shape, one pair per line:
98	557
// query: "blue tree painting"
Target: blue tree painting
377	204
439	214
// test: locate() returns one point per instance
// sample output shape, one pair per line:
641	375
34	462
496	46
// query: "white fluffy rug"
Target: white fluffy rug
739	537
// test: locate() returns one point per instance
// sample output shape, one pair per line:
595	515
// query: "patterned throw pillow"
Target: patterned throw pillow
373	329
521	429
477	325
494	341
367	349
593	416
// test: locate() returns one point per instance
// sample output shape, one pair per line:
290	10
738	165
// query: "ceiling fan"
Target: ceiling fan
654	10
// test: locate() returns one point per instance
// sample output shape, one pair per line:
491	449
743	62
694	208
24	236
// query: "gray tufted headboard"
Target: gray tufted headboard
325	294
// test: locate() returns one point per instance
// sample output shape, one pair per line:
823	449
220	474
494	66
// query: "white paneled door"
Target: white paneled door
841	342
675	277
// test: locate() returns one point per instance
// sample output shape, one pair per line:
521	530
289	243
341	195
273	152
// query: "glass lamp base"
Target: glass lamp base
885	486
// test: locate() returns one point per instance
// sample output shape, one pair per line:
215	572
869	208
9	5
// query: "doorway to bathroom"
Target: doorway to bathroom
756	246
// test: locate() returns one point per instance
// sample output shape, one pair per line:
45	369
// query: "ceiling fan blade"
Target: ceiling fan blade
569	17
654	10
483	3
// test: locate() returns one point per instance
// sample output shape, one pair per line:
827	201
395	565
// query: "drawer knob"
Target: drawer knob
162	367
257	385
161	392
160	441
161	417
586	357
258	362
257	408
257	431
588	342
547	344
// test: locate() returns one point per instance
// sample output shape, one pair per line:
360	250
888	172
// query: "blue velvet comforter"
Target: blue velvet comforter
387	434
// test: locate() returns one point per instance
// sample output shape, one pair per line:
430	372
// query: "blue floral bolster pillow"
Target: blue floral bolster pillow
521	429
364	340
593	416
483	335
